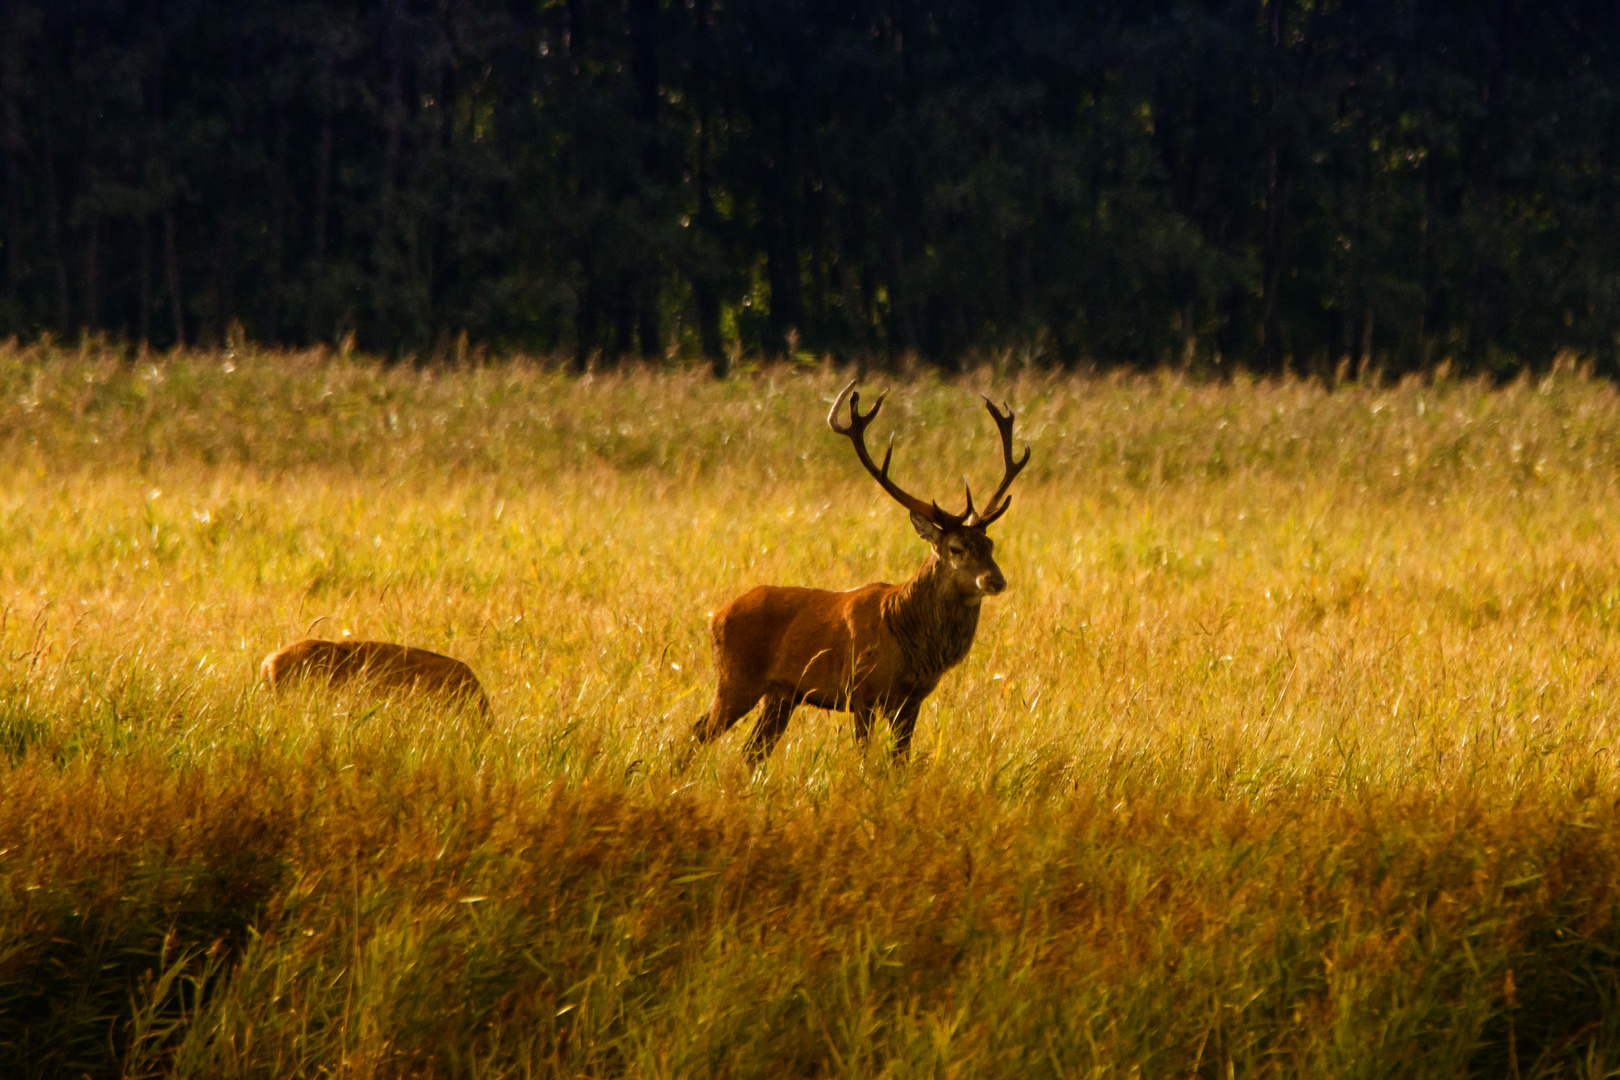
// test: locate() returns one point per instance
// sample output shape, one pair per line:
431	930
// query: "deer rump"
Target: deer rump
380	664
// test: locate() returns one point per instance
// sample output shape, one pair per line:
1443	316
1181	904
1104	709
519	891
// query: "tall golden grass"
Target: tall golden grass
1290	750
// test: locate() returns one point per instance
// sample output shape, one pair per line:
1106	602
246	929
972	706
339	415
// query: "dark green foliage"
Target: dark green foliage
1277	184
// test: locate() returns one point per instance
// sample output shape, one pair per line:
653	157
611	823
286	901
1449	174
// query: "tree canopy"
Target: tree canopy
1281	184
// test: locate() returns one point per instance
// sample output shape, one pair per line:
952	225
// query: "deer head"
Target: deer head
964	552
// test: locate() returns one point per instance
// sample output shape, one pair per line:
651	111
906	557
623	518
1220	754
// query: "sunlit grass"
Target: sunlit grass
1289	751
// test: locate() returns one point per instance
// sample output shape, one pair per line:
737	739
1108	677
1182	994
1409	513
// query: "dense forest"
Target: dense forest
1276	184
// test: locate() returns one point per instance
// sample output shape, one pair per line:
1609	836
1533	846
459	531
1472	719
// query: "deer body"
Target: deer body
381	663
878	649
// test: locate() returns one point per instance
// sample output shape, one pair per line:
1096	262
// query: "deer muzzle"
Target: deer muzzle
991	583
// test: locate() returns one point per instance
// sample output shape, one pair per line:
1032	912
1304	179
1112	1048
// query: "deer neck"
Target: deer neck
932	621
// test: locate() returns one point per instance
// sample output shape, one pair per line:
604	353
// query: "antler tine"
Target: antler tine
855	430
857	422
997	504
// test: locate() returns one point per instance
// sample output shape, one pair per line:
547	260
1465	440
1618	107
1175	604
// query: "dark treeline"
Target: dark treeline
1274	183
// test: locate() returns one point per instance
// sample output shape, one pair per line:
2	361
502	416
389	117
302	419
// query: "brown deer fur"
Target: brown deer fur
880	648
382	664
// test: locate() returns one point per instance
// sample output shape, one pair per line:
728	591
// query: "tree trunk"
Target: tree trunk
782	237
624	321
1278	182
13	139
323	186
904	329
643	17
388	254
171	254
53	214
644	70
708	312
705	289
225	243
647	321
144	320
1364	349
584	326
313	329
576	32
171	260
92	276
13	211
270	324
847	294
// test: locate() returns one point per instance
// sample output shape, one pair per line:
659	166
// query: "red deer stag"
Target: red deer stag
379	663
880	648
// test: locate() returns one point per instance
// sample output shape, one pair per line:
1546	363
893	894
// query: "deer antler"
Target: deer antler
1012	468
856	430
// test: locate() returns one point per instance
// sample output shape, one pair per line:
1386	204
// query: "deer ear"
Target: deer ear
926	529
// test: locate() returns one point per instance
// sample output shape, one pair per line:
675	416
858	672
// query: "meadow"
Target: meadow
1289	751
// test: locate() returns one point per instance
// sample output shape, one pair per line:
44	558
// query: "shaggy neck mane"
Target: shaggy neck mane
930	620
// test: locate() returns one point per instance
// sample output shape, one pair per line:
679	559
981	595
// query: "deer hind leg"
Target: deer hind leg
730	705
773	720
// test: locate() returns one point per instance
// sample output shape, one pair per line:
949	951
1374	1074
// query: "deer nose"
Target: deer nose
991	584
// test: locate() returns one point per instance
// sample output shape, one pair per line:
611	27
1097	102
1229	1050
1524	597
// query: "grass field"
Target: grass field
1290	751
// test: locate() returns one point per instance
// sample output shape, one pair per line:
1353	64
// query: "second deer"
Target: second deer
878	649
382	664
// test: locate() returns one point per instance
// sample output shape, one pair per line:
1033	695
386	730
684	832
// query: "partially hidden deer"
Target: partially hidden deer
876	650
379	664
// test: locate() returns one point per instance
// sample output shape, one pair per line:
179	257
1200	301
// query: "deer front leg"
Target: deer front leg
903	724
